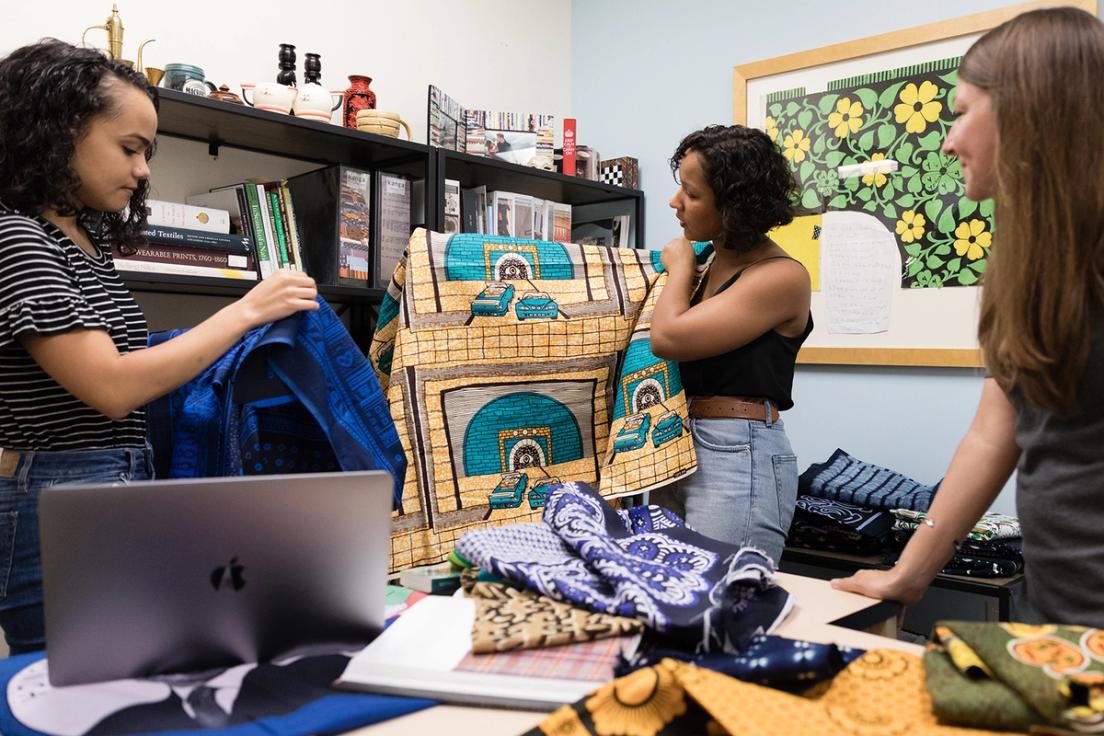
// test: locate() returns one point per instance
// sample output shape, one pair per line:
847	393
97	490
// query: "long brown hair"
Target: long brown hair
1044	282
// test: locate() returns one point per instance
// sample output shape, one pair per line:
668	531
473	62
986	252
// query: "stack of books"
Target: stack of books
189	240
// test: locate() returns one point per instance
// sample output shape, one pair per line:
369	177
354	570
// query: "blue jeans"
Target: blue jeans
744	490
20	563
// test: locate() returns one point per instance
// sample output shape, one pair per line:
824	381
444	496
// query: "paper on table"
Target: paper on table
860	269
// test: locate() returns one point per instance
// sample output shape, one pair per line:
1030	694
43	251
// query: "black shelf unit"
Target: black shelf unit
208	286
218	124
474	171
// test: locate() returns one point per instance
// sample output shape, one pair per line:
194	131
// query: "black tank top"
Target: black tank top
763	368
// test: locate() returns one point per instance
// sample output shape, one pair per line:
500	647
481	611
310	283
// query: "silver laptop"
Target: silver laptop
178	575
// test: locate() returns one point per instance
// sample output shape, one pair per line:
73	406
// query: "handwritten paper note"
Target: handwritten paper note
860	269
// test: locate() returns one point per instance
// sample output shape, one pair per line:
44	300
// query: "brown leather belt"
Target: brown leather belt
731	407
9	461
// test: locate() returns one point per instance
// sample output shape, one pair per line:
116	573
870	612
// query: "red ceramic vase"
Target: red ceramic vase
358	97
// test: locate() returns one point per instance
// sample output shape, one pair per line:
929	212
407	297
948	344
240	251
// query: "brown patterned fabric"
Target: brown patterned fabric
880	694
508	618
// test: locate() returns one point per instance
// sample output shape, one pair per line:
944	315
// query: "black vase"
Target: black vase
286	63
312	68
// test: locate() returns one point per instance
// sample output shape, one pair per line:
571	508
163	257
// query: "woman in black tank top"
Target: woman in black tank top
735	334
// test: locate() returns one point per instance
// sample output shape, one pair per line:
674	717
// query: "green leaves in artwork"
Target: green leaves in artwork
966	207
915	267
827	104
932	208
985	208
889	211
838	202
933	261
804	119
906	201
866	140
886	135
931	142
775	109
904	152
889	95
912	249
833	159
947	220
806	170
915	184
867	97
819	145
865	194
966	277
954	264
792	107
810	200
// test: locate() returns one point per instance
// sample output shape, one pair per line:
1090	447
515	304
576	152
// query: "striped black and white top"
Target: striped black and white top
48	286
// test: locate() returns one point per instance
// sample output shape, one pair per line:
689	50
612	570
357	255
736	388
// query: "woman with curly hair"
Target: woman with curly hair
735	334
1027	132
78	132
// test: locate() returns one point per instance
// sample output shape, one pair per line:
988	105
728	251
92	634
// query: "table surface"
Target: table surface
817	615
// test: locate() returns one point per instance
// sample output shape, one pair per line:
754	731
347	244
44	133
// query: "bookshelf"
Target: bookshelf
220	126
473	171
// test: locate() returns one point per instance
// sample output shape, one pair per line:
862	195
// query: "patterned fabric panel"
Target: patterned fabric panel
990	526
592	660
1017	676
513	364
847	516
880	694
850	480
508	618
696	591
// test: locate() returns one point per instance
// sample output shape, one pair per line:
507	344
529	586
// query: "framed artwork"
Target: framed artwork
894	247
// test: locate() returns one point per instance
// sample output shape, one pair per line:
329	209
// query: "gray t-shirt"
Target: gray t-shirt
1060	502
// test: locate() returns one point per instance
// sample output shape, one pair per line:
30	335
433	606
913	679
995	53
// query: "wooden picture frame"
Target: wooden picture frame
916	48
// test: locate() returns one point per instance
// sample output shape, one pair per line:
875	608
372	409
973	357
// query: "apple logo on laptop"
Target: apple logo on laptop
235	580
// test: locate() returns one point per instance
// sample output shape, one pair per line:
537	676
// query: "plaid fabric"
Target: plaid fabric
591	661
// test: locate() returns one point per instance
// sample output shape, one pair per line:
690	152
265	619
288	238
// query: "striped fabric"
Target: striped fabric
49	286
849	480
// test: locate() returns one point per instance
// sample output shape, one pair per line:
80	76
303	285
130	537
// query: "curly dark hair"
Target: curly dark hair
50	92
750	178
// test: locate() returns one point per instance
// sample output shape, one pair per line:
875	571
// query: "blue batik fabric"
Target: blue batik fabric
698	593
293	396
773	661
850	480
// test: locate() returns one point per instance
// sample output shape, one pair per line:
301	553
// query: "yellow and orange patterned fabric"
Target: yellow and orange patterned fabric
510	364
880	694
1017	676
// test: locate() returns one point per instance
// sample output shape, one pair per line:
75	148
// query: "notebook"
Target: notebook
178	575
427	653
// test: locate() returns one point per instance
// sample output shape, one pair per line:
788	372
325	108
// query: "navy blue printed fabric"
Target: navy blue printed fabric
293	396
643	563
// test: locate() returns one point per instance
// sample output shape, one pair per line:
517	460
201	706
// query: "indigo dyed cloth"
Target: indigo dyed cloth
774	661
292	396
850	480
643	563
292	697
1017	676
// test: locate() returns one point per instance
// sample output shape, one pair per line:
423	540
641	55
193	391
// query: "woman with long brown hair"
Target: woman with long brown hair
1030	134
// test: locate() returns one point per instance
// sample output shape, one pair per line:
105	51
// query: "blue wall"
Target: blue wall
646	72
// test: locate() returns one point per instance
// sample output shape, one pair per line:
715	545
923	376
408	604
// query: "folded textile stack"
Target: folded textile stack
994	559
850	480
825	524
642	563
1017	677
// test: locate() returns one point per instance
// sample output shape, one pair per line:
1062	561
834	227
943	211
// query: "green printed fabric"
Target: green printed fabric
1016	676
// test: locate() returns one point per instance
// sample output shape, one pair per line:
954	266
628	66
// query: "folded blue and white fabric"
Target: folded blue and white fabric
850	480
643	563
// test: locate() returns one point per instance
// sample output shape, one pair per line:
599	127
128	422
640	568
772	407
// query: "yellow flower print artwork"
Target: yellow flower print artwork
795	145
911	226
638	704
918	106
972	239
847	117
771	128
879	179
